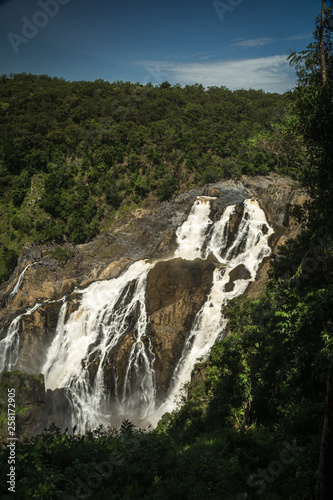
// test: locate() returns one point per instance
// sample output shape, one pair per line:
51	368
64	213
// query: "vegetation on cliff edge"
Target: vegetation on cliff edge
253	421
72	153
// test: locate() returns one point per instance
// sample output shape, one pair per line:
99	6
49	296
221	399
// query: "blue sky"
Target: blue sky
236	43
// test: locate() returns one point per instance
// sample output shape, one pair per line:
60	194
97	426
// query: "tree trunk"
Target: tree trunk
321	46
325	471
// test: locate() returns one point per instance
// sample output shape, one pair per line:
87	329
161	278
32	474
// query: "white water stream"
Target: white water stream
110	312
17	284
9	345
251	243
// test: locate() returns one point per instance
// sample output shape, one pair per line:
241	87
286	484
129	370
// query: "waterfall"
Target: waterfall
111	315
252	245
219	235
17	285
192	234
9	345
108	311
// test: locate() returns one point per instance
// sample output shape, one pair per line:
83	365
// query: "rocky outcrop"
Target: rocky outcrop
176	290
148	234
56	411
238	273
36	332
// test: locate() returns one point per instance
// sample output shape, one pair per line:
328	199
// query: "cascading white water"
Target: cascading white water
252	244
9	345
109	312
17	284
191	235
218	238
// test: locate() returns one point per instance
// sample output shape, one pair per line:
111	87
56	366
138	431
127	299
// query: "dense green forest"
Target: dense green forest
257	409
73	153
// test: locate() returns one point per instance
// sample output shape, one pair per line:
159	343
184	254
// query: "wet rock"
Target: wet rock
31	252
116	367
228	287
56	411
240	273
211	191
176	290
36	332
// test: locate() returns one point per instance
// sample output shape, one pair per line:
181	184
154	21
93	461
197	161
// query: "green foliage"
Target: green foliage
71	153
112	462
62	255
312	111
131	463
8	262
167	187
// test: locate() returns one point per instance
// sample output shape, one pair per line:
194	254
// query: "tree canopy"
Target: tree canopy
71	153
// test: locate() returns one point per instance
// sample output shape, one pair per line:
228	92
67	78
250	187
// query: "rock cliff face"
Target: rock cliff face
176	290
37	331
149	234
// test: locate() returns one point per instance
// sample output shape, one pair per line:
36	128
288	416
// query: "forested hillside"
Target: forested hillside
72	153
258	420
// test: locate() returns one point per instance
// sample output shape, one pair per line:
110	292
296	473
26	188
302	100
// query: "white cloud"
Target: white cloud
260	42
272	74
299	37
254	42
